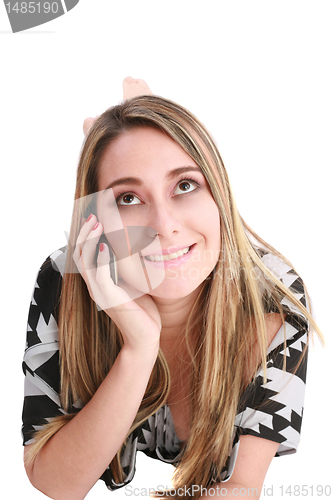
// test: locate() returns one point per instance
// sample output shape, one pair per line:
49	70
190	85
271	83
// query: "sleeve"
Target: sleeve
41	357
274	410
288	276
41	364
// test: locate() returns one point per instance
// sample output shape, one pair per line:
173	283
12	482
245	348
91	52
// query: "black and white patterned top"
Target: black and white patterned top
272	410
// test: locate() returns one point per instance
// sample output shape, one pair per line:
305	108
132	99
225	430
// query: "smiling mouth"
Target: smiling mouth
171	256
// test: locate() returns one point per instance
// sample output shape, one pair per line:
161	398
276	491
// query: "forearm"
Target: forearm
76	456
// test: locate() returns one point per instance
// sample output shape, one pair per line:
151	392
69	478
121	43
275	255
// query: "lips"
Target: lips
170	256
169	259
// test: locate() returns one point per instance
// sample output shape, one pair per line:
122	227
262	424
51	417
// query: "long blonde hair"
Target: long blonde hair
228	313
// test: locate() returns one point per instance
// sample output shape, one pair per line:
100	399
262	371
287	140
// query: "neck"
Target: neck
174	314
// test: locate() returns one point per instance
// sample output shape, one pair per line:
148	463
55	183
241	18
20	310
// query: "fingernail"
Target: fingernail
101	247
90	216
95	226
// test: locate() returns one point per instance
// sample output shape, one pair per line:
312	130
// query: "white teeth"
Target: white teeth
171	256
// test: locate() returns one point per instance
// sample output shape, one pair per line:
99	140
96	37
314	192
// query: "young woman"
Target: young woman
177	332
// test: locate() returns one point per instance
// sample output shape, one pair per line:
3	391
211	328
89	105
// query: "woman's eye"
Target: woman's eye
186	186
128	199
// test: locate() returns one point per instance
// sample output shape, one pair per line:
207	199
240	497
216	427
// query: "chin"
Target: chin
175	290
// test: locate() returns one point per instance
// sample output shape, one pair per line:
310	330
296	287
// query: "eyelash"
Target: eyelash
192	181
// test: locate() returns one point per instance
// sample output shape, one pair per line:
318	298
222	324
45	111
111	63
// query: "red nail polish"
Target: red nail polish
90	216
101	247
96	225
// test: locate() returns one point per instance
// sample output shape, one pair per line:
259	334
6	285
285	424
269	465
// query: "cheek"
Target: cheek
136	278
207	221
214	227
208	225
108	213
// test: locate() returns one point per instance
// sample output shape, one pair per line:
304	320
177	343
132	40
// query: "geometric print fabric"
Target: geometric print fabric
271	410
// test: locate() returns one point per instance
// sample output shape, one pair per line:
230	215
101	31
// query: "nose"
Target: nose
166	220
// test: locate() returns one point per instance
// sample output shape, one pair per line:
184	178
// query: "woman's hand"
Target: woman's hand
138	320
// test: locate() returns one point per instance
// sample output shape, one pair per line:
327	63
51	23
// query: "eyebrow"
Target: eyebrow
135	181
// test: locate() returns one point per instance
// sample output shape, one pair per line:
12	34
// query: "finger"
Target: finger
84	255
86	228
103	264
82	237
88	250
110	294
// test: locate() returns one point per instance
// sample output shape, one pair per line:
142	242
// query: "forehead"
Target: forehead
141	152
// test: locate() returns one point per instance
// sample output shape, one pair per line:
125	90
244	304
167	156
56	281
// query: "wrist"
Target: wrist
140	355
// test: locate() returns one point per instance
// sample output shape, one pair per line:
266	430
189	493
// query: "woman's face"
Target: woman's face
152	183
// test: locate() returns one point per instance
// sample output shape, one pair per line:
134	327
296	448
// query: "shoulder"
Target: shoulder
288	276
41	357
52	269
281	268
43	312
50	274
58	260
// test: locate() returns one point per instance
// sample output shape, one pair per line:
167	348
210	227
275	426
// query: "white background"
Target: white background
259	75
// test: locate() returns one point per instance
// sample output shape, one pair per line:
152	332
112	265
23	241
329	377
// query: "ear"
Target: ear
135	88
